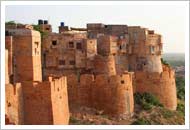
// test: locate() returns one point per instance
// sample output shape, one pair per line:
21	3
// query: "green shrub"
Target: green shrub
181	108
146	100
147	106
138	98
167	113
180	84
73	120
164	62
10	23
141	121
37	28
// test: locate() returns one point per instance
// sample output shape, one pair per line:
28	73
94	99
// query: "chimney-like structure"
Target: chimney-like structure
44	26
63	28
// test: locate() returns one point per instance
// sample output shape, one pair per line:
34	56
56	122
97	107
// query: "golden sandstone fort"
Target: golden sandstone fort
100	66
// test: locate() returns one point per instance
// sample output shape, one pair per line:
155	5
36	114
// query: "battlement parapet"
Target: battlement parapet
113	94
166	74
47	99
85	80
162	85
14	103
13	89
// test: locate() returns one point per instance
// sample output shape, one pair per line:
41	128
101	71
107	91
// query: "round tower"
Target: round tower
104	65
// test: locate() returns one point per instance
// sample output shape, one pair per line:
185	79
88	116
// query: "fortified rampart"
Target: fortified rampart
9	47
14	103
104	65
161	85
33	102
25	47
38	103
96	62
49	98
6	67
112	94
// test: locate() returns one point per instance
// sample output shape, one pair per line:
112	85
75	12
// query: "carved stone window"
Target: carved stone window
79	45
71	44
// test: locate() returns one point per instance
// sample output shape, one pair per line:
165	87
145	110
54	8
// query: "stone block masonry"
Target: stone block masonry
38	103
112	94
162	85
14	103
99	63
46	99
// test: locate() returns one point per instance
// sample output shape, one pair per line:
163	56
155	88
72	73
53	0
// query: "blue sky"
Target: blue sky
168	20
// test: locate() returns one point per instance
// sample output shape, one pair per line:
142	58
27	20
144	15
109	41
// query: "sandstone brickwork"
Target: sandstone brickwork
9	48
107	45
161	85
33	101
102	65
27	50
44	26
113	94
67	52
46	99
6	67
120	48
144	50
14	103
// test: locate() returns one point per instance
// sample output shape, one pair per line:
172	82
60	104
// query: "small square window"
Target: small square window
36	44
72	62
151	49
120	47
122	81
54	42
71	45
61	62
79	45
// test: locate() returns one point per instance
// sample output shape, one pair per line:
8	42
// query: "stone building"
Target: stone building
144	50
116	50
67	52
29	100
44	26
138	50
102	65
24	46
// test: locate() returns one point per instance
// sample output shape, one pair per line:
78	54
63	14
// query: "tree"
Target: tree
164	62
10	23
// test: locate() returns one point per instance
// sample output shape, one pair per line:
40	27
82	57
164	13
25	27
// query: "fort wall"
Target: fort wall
112	94
121	63
14	104
161	85
59	99
104	65
49	98
107	45
9	47
6	67
148	63
27	50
